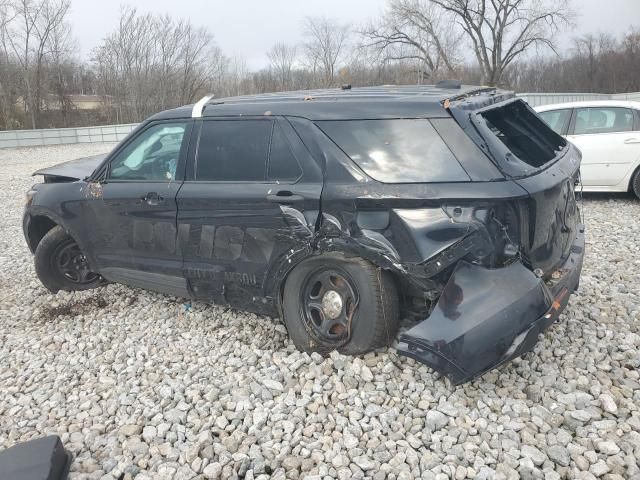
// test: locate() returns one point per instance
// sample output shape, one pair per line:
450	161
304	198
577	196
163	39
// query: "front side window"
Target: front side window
396	151
152	155
556	119
603	120
233	150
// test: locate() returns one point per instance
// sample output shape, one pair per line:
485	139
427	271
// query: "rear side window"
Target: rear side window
233	150
283	166
396	151
556	119
603	120
524	133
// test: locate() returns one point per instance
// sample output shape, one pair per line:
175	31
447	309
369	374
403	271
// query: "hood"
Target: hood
73	170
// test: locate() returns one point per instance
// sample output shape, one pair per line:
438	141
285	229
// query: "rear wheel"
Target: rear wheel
635	183
61	265
336	303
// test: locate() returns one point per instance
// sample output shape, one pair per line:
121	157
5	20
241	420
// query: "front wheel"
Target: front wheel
335	303
61	265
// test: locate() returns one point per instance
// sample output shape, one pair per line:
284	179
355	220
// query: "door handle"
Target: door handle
152	198
284	197
631	141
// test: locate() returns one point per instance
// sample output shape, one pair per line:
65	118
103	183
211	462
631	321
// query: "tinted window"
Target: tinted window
152	155
396	151
283	166
556	119
233	150
524	133
603	120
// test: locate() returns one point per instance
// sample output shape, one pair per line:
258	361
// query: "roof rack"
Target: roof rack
198	108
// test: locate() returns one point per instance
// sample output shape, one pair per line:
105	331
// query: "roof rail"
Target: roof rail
198	108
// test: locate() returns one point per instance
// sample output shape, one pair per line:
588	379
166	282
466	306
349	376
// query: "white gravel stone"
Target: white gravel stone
536	456
559	455
608	448
599	468
139	386
436	420
213	471
608	403
130	430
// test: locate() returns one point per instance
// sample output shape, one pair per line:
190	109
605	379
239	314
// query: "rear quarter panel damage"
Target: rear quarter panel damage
465	252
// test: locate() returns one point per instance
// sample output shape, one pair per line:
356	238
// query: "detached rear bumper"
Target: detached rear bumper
486	317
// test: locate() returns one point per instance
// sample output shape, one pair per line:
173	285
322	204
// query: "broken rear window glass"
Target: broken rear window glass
525	134
396	151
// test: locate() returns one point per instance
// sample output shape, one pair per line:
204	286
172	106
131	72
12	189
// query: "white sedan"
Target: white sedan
608	135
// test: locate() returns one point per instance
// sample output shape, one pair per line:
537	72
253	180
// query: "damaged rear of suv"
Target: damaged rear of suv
336	210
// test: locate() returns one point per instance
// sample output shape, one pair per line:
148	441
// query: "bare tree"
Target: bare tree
415	31
236	76
150	63
326	44
35	22
282	58
61	48
502	30
5	66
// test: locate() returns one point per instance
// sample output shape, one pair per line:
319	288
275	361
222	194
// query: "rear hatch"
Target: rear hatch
530	153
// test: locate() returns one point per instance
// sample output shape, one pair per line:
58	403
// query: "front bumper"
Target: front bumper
486	317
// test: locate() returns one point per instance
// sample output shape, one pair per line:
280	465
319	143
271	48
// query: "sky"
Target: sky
249	27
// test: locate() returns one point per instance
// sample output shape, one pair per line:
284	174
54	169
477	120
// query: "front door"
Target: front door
249	203
608	144
133	210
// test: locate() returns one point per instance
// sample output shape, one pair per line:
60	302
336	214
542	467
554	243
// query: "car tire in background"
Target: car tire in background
61	265
332	302
635	183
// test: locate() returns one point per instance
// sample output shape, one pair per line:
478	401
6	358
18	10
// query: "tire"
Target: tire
56	248
371	318
635	183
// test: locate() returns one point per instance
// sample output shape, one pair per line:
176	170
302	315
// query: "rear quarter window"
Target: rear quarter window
556	119
396	151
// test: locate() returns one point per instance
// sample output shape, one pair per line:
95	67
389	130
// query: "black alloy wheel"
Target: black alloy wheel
72	264
329	300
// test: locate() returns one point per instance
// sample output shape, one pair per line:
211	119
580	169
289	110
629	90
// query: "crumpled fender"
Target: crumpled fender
480	320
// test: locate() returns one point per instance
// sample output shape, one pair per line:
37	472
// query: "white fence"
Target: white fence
538	99
62	136
115	133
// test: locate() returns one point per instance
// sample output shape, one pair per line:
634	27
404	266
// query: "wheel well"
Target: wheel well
38	228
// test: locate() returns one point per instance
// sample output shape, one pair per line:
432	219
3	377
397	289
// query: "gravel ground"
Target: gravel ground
140	386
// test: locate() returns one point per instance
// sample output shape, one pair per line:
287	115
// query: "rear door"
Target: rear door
131	217
250	201
608	142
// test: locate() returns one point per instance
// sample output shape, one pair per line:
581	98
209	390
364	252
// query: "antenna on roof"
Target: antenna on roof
198	108
449	84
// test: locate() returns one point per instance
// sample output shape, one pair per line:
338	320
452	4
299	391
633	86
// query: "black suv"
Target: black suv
336	210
